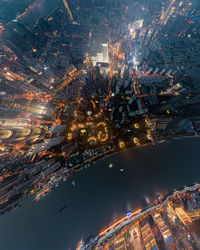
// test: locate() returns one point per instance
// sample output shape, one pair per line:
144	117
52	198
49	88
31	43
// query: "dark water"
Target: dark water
100	195
43	9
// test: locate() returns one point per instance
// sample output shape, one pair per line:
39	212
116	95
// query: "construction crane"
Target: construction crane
75	74
68	10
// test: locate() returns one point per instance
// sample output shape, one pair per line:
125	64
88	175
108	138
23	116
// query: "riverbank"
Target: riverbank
100	196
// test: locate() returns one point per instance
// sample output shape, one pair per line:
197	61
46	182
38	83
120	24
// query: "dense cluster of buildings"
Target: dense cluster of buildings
84	80
172	223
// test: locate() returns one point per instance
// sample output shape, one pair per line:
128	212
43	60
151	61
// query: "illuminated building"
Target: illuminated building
149	241
135	238
120	243
101	56
182	215
166	234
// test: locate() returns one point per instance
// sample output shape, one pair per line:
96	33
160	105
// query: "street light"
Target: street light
135	140
121	144
136	125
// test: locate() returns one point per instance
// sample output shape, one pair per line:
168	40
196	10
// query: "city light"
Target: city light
136	125
121	144
83	81
135	140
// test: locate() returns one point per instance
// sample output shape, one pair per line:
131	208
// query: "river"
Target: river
43	9
101	195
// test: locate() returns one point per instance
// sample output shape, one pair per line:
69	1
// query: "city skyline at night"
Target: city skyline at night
84	81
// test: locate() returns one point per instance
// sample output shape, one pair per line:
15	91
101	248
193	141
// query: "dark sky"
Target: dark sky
101	195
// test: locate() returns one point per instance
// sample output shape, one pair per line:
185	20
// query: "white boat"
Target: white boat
110	165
